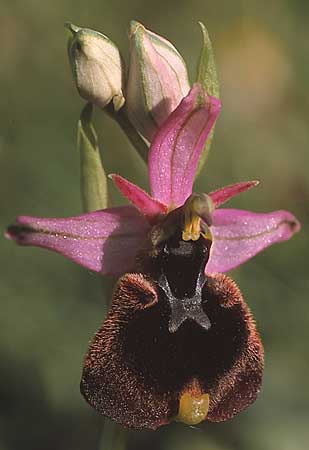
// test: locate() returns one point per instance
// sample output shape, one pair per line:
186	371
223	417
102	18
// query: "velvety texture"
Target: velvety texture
135	369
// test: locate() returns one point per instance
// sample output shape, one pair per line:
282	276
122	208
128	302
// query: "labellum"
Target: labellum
177	344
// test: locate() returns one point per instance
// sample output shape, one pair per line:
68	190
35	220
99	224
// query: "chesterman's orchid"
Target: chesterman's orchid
179	341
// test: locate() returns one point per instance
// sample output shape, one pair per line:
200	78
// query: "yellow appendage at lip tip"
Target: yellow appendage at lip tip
192	409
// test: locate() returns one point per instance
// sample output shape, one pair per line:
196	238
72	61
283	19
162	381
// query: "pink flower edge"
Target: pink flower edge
239	235
145	204
103	241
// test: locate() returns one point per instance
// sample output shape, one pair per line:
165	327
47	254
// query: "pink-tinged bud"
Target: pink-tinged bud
96	66
157	81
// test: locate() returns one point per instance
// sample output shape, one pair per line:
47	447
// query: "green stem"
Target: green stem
134	137
113	436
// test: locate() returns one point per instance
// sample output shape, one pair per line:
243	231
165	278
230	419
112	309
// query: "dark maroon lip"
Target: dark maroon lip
143	358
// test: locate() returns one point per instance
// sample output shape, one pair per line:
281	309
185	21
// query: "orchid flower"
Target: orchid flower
107	241
148	364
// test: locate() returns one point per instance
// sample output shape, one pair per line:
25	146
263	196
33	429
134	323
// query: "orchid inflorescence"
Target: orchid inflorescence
178	342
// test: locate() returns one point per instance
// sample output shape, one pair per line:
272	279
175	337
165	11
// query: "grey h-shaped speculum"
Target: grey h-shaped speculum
186	307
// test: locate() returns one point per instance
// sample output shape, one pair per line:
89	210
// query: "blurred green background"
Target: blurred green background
50	308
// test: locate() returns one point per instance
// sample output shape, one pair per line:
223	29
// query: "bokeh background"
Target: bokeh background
50	308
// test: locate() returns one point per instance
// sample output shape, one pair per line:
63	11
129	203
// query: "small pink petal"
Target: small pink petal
103	241
239	235
225	193
175	150
146	205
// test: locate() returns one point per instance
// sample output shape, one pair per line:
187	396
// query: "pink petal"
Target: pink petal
103	241
176	148
146	205
239	235
227	192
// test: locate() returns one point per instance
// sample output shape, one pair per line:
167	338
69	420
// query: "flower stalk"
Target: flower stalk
136	140
113	436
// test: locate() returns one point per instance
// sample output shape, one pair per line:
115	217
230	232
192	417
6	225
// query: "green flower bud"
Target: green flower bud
97	67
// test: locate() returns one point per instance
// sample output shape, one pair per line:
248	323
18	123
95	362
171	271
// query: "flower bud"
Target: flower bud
97	67
157	81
